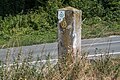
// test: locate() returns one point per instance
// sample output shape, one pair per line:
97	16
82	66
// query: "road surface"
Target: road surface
95	46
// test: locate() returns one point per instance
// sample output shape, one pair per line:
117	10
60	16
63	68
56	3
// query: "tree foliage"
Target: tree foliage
90	8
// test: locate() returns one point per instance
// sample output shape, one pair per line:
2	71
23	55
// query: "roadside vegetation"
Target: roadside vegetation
103	68
28	22
35	21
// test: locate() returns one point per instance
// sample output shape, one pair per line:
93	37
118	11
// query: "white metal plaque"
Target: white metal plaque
61	15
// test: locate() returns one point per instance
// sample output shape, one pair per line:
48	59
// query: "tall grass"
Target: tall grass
103	68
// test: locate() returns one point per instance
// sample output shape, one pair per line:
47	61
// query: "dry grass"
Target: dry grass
106	68
84	69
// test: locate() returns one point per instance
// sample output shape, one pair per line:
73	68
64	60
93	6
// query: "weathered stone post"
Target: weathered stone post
69	35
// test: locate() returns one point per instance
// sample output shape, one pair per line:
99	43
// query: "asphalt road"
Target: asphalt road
95	46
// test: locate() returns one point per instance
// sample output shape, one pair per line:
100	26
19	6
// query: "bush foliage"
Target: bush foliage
38	19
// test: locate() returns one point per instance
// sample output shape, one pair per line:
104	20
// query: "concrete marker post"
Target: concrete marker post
69	35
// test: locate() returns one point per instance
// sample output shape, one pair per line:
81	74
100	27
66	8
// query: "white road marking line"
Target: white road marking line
51	60
114	36
101	43
97	55
33	62
91	44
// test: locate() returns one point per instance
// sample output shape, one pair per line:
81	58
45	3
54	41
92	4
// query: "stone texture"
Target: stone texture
69	38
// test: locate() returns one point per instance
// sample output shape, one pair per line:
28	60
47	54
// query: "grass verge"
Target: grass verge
104	68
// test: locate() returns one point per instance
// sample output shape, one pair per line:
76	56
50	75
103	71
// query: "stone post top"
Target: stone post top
68	8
